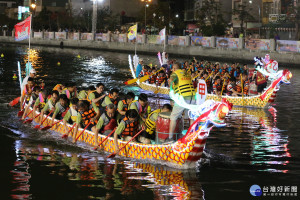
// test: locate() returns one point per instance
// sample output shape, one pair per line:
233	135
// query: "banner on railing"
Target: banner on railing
98	36
139	39
257	44
114	38
200	41
288	45
122	38
231	43
49	35
173	40
106	37
181	41
86	36
38	34
60	35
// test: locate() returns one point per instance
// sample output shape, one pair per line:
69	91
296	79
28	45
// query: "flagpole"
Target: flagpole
165	40
136	38
29	38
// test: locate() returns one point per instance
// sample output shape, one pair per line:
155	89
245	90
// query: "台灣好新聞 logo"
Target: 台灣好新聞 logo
255	190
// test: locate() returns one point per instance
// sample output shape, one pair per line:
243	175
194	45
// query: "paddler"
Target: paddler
181	82
127	128
61	107
32	74
27	90
33	98
88	113
50	105
141	106
59	87
150	125
40	101
106	123
70	90
96	97
139	67
71	116
123	105
112	97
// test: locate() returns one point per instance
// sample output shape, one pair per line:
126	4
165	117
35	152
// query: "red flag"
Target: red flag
22	29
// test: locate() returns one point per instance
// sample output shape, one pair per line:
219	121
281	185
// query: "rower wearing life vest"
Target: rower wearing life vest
34	96
61	107
217	86
40	102
70	90
127	128
96	97
181	82
88	113
71	116
123	105
150	124
25	80
26	92
50	105
141	106
106	123
112	97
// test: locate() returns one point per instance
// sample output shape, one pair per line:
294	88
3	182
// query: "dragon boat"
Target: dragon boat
183	153
258	101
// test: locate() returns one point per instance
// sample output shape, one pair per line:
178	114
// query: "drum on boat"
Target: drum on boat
163	124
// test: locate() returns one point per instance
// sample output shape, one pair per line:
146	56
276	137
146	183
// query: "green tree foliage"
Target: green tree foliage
242	14
210	18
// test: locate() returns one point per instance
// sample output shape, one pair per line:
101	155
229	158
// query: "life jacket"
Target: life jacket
229	88
114	101
51	106
130	127
74	114
97	95
109	122
125	105
146	109
184	86
238	87
86	116
260	79
152	79
160	79
218	87
246	87
143	73
82	95
150	124
63	109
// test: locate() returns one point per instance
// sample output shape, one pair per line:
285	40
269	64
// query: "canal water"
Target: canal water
258	146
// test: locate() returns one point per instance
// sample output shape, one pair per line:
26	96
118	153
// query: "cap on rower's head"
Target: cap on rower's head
33	71
141	60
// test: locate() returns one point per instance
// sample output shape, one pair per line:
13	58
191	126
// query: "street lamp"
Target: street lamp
146	5
94	20
258	17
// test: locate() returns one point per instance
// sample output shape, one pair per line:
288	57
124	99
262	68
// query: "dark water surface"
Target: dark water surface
256	147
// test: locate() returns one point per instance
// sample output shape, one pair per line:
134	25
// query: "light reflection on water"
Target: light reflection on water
262	144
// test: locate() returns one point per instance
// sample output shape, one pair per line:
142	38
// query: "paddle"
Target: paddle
114	154
48	127
144	78
223	86
82	132
66	135
39	126
27	115
21	112
14	102
105	139
30	120
157	89
242	88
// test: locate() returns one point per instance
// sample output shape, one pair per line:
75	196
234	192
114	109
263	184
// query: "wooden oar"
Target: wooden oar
144	78
14	102
47	127
242	88
30	120
67	134
157	89
39	126
105	139
27	114
21	112
82	131
114	154
223	87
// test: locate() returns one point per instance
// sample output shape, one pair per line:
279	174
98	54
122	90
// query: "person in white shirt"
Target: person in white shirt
25	80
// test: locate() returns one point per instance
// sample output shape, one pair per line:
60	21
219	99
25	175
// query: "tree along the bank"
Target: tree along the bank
242	13
210	18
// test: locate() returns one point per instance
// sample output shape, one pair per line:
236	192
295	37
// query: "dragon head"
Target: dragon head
287	75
